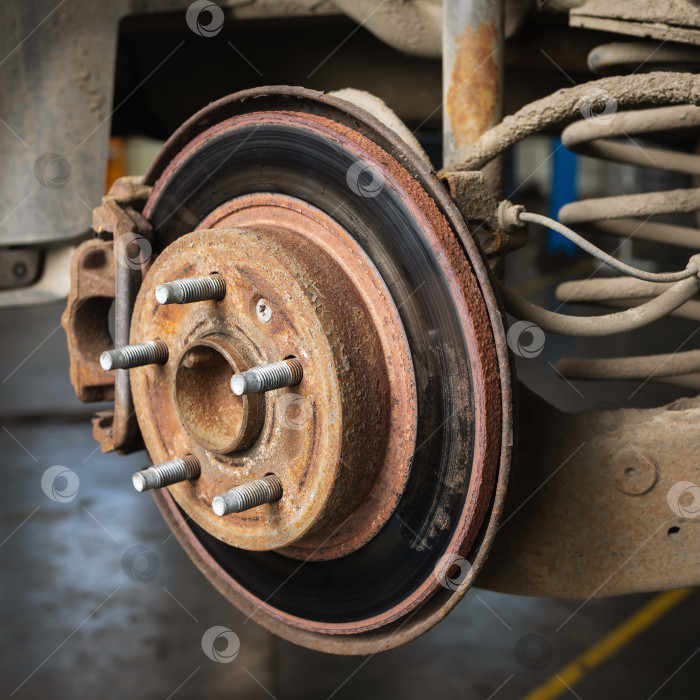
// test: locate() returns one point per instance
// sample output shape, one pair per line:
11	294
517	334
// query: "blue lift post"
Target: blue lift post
564	185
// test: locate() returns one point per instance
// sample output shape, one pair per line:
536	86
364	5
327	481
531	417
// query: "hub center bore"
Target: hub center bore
211	413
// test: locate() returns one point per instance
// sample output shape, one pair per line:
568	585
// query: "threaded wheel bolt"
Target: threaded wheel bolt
275	375
152	352
247	496
167	473
190	289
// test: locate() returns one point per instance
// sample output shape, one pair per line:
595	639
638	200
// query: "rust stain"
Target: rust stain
334	301
332	323
473	95
484	371
85	319
347	318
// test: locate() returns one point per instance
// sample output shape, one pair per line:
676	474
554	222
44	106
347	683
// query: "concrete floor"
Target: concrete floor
83	616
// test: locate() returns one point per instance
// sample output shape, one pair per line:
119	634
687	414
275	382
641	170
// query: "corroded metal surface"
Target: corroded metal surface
200	383
473	48
85	319
431	600
609	496
358	380
479	207
371	355
106	271
393	450
473	96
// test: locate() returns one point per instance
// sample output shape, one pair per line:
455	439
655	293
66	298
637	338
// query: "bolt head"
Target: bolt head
139	482
218	505
162	294
238	384
263	310
106	361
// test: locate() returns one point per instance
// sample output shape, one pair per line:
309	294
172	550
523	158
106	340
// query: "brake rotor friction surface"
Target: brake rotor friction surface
378	595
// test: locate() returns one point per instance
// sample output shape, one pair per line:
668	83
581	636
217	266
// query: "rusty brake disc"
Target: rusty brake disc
393	450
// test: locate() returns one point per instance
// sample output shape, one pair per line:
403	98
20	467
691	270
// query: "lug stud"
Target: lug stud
152	352
276	375
190	289
247	496
167	473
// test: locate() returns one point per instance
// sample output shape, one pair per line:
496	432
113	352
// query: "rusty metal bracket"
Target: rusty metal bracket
85	319
601	503
480	209
108	270
120	210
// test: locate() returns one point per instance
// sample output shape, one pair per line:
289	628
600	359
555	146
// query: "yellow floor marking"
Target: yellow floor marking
604	648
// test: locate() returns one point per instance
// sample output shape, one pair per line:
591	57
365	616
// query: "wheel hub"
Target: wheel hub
325	305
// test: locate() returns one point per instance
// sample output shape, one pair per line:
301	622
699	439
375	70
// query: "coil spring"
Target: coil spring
630	217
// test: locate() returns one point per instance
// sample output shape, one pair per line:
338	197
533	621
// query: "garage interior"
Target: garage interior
100	596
